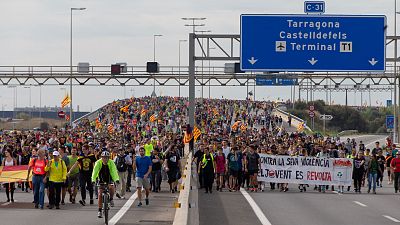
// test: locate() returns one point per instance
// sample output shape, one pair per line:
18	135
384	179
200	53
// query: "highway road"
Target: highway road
293	207
22	212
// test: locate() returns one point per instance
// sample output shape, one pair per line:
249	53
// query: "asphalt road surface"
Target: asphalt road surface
22	211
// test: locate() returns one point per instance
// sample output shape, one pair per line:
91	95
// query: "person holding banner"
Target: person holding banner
9	161
358	171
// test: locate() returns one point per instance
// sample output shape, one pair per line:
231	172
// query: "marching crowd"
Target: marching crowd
144	139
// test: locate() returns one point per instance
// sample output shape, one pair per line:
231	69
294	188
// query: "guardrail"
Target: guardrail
347	132
91	116
295	120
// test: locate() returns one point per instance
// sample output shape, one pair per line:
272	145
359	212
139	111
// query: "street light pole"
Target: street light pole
395	122
30	106
154	58
70	65
179	65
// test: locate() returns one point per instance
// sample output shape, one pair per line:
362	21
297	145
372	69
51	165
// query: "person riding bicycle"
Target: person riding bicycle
105	171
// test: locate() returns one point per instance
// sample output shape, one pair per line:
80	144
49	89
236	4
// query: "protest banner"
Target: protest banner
305	170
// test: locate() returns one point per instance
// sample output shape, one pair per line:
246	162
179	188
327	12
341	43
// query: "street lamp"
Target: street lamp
154	59
14	102
179	64
70	64
193	19
30	106
154	45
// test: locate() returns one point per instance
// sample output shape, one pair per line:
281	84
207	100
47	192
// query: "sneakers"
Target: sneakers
118	196
112	203
83	203
62	202
91	201
99	214
140	204
36	206
147	201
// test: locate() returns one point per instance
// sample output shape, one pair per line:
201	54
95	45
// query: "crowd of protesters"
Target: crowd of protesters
233	133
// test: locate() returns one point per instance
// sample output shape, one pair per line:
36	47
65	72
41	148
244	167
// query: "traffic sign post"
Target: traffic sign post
311	114
390	122
325	118
61	114
314	7
312	43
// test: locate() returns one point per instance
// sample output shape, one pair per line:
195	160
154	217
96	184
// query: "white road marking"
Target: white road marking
123	209
372	143
360	204
7	203
263	219
392	219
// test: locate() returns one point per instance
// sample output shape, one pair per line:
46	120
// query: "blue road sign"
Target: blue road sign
388	103
263	81
312	43
314	6
389	121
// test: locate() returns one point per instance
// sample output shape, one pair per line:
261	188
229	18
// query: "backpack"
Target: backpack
121	164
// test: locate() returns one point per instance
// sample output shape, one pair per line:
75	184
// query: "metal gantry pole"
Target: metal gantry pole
192	84
395	76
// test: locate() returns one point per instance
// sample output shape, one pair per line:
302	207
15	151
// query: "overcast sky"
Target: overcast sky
36	32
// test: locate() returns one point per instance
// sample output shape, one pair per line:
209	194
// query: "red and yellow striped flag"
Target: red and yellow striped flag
196	133
67	117
110	128
235	125
125	109
66	100
143	112
153	118
98	124
243	127
215	112
300	127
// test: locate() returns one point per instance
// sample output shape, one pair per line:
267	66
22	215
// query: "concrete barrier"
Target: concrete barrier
295	120
182	205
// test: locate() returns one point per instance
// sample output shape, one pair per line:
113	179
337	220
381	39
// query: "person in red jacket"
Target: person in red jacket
395	164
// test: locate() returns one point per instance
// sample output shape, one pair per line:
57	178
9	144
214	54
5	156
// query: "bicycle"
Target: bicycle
105	196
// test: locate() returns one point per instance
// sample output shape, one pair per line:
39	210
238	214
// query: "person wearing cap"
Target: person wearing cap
395	164
105	172
57	172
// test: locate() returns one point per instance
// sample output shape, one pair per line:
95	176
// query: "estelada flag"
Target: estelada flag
67	118
196	133
187	137
153	118
13	173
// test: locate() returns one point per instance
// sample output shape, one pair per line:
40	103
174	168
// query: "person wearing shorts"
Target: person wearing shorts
252	166
143	166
